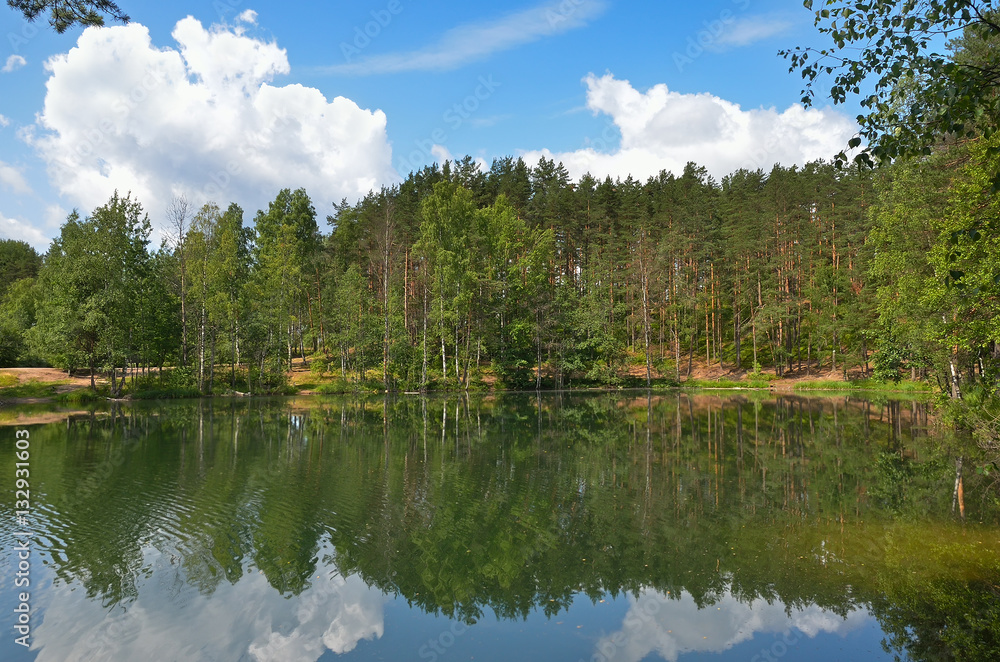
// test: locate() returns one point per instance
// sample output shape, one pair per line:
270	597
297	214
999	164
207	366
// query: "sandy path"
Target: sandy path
48	376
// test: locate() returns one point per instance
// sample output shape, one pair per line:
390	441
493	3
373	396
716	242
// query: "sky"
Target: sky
233	100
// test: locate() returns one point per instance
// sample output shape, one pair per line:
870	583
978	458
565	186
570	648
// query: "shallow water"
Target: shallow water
618	526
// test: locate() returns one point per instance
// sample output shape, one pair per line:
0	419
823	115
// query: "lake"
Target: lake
569	526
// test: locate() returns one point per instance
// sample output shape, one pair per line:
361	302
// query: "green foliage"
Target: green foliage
164	385
64	14
445	281
83	396
98	291
918	96
318	366
897	386
17	317
17	260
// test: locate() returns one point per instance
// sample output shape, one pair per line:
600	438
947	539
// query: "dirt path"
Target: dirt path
63	383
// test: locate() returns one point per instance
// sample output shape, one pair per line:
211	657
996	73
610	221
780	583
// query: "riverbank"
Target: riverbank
41	385
47	385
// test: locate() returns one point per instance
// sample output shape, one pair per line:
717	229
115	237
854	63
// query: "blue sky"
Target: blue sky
231	100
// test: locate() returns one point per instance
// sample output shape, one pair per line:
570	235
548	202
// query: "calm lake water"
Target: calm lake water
569	527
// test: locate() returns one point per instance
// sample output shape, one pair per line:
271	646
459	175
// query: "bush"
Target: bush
169	383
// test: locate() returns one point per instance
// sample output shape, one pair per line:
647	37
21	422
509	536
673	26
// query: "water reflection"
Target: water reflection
674	625
246	619
284	529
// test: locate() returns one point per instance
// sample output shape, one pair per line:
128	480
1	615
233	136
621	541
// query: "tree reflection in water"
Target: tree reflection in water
772	512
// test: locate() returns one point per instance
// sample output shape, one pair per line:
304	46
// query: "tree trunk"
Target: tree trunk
211	363
444	356
423	374
385	305
538	349
201	352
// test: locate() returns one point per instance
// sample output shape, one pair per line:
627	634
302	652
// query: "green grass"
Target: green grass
29	390
7	380
172	393
903	386
724	383
82	396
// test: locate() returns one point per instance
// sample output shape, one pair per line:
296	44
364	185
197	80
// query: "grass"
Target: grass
30	390
725	383
172	393
82	396
12	387
903	386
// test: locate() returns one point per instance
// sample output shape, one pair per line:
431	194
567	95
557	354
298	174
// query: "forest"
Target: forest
516	276
523	276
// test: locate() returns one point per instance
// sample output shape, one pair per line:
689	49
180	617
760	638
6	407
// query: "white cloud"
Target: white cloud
13	63
201	119
441	153
55	216
14	228
486	122
248	620
751	29
672	626
12	180
663	130
247	16
475	41
4	121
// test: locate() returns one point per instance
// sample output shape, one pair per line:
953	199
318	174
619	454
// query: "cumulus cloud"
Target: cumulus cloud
201	119
472	41
13	63
12	180
247	16
15	228
674	626
4	121
663	130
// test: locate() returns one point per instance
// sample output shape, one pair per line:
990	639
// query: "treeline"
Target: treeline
540	281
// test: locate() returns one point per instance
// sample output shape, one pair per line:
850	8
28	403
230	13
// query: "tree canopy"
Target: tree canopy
64	14
890	54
